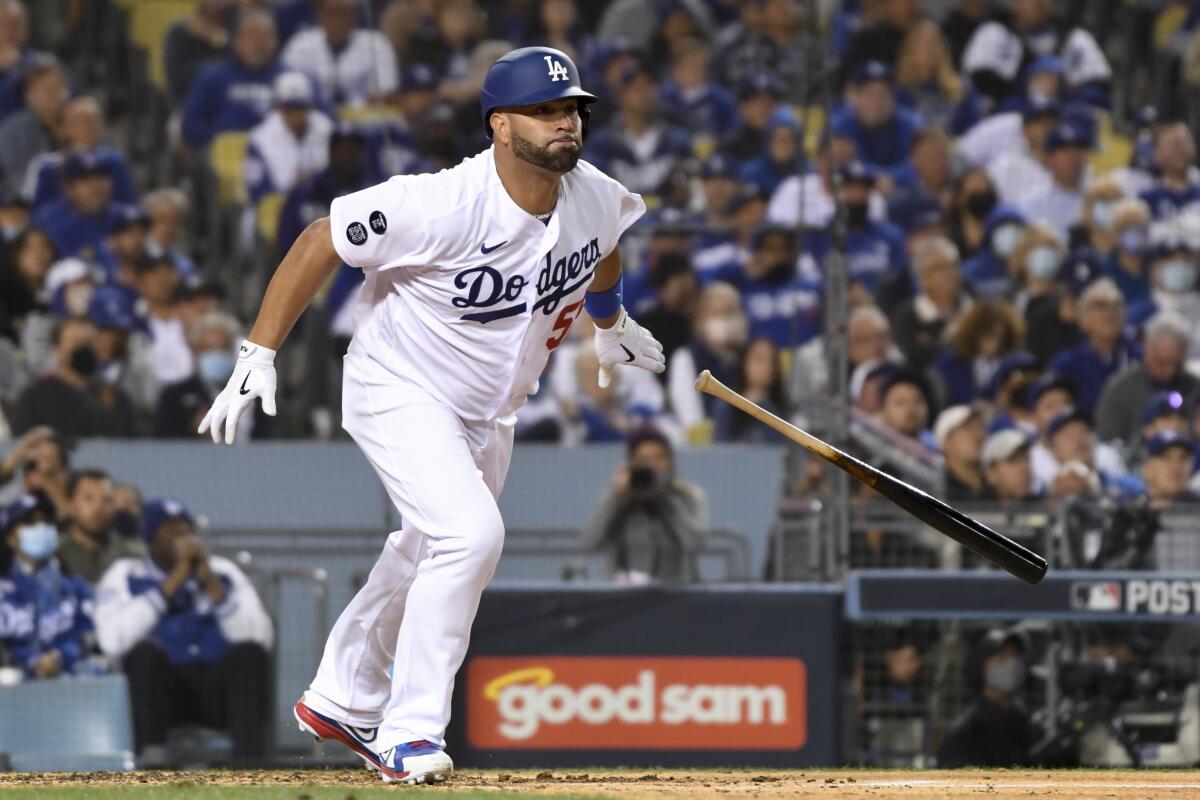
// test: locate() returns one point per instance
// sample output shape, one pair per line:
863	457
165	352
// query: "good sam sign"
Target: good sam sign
623	703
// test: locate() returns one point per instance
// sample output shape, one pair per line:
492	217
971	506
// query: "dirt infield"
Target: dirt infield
656	784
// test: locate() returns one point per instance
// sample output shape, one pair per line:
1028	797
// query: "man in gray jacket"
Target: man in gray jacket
651	524
1119	409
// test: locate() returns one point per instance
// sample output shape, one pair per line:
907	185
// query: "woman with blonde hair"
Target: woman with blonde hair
927	81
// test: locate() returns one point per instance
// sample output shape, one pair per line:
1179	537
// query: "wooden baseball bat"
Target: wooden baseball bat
971	534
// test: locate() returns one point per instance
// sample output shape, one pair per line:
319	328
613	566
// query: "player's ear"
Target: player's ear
500	132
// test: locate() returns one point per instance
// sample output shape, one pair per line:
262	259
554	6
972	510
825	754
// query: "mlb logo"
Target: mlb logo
1096	596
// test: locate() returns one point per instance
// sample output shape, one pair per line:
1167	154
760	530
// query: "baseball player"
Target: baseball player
473	276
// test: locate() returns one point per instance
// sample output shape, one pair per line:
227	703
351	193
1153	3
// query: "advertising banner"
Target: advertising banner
650	676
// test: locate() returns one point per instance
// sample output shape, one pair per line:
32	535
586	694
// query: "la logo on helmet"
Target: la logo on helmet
557	71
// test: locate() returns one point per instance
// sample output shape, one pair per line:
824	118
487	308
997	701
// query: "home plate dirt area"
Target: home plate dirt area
608	783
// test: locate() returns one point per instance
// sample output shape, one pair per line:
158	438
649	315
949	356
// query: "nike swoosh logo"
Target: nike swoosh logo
630	358
244	390
483	248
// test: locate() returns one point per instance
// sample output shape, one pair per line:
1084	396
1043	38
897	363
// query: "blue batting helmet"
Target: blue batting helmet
532	75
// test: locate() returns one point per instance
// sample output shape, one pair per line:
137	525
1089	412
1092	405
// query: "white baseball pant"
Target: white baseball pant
415	611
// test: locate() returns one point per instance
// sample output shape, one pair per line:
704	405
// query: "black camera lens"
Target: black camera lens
641	478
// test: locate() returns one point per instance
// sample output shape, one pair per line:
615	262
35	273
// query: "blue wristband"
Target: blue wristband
605	303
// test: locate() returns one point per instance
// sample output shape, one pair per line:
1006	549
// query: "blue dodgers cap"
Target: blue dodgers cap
160	510
869	71
1163	441
1042	64
719	165
1065	417
111	308
1068	134
1078	272
761	83
418	78
1045	384
1162	404
1018	361
856	172
1037	107
82	165
128	217
24	507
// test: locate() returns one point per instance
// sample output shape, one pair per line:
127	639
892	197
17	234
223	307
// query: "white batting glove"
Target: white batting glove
626	342
253	376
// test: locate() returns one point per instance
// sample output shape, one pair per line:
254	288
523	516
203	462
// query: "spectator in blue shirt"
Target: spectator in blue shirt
1174	158
874	249
987	273
1126	263
1104	351
1173	285
191	634
692	99
881	130
717	241
45	615
638	148
78	222
83	131
780	304
784	156
234	94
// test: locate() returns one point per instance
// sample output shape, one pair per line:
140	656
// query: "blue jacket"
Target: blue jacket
1165	203
986	274
885	146
227	96
74	234
48	187
788	312
873	251
130	608
1089	371
958	379
714	111
44	611
1135	289
609	153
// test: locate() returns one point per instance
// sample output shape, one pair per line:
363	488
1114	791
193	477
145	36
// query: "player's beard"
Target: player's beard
561	161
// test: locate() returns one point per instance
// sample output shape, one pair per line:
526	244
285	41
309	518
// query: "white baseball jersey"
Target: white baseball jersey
466	294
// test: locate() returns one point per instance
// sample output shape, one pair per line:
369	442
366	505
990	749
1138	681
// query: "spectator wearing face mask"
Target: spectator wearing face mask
1096	232
721	330
48	614
1126	260
1053	317
1173	288
784	156
987	273
779	302
874	248
68	399
89	545
213	339
1104	352
996	731
1034	267
972	198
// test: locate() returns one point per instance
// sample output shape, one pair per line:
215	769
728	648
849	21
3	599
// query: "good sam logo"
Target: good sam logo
570	703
